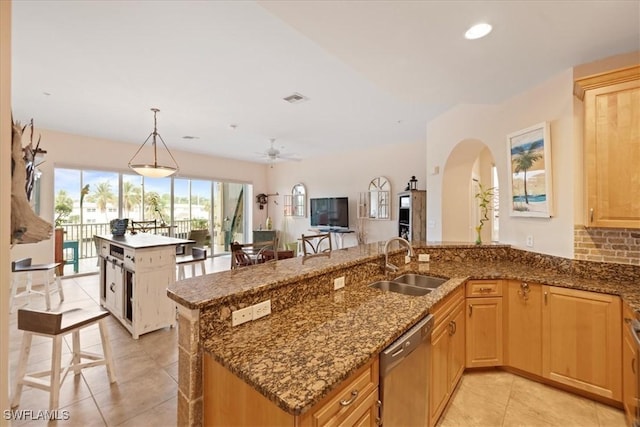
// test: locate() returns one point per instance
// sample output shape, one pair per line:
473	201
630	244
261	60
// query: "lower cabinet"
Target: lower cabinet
484	324
523	326
629	367
581	340
447	352
228	400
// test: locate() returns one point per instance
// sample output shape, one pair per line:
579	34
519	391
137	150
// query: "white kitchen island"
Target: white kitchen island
135	272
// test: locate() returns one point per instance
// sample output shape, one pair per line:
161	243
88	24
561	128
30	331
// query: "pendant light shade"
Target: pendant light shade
153	169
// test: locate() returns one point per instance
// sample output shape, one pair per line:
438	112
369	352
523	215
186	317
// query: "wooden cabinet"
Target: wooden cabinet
412	215
447	352
523	326
230	401
484	323
629	367
581	340
612	147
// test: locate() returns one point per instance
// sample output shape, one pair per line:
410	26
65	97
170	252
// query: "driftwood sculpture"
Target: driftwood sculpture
26	226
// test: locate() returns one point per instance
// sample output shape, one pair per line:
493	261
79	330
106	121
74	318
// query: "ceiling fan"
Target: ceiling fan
273	154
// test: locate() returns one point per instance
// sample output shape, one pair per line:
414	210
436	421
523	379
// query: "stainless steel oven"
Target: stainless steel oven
635	332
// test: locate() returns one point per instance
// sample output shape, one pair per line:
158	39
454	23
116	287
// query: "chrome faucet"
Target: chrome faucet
387	265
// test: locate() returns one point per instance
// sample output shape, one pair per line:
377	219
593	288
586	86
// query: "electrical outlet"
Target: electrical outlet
529	241
338	283
261	309
423	257
407	259
241	316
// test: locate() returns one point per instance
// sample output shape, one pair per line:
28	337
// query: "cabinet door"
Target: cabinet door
113	297
629	366
457	349
438	377
484	332
612	155
523	326
581	339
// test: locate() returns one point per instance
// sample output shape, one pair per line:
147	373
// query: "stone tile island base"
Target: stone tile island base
190	411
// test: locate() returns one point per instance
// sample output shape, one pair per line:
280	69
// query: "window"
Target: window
185	204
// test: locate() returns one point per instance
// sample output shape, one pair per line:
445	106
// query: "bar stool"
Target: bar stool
198	256
24	266
73	245
55	326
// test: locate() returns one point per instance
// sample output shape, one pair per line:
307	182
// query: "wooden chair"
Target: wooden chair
243	255
55	326
316	244
24	265
198	257
143	226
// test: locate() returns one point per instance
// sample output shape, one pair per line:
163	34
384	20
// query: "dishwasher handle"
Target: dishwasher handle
405	345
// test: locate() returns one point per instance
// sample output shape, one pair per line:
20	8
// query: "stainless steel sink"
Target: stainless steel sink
401	288
421	281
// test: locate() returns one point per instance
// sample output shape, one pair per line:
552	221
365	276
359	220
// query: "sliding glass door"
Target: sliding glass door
210	212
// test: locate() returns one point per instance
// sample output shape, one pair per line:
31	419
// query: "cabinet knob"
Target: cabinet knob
591	214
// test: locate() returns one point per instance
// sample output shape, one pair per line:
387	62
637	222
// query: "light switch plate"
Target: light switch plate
338	283
423	257
407	259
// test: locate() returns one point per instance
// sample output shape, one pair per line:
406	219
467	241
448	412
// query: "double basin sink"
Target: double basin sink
410	284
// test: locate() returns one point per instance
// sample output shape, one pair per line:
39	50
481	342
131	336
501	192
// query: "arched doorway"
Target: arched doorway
469	164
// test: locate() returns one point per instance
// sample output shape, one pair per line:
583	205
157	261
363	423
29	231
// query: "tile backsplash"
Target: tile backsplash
618	245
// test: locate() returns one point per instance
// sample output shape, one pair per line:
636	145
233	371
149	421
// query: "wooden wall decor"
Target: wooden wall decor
26	226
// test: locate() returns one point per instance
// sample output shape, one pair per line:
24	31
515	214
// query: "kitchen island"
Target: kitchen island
135	271
316	337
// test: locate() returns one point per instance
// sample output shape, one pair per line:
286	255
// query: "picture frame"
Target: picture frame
530	177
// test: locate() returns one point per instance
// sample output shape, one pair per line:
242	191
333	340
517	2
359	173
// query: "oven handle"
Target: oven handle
635	331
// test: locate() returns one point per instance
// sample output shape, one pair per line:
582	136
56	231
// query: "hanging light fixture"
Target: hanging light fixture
154	170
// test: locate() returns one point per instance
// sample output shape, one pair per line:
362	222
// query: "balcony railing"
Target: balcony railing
83	234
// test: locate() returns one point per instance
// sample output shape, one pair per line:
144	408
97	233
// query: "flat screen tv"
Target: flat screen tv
330	212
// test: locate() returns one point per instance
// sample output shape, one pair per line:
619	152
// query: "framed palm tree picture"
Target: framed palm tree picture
530	183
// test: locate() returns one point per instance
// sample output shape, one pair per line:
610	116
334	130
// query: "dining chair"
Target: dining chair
316	243
143	226
246	254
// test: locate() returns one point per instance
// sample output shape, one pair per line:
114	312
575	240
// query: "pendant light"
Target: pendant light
154	170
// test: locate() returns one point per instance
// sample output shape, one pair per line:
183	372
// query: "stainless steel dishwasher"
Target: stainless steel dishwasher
404	377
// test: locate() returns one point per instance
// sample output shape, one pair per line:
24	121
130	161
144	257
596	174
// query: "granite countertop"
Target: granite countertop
296	356
144	240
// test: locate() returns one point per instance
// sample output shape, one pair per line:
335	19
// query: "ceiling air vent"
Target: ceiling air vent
295	98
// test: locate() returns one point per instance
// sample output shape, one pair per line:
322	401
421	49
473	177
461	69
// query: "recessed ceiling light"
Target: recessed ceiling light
478	31
190	137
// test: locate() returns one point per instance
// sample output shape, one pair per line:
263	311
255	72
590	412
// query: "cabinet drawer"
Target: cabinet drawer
335	411
484	288
442	309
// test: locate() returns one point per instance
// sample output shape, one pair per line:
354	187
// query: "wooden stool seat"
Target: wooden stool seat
24	266
55	325
198	257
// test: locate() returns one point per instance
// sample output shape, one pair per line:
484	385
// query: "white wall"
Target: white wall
68	150
550	101
347	175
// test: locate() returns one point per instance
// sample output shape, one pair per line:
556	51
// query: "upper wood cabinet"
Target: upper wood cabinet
611	147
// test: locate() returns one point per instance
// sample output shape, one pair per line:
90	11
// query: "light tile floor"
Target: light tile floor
147	372
498	398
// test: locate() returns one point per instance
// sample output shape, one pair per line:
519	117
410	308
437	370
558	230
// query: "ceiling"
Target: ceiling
374	72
